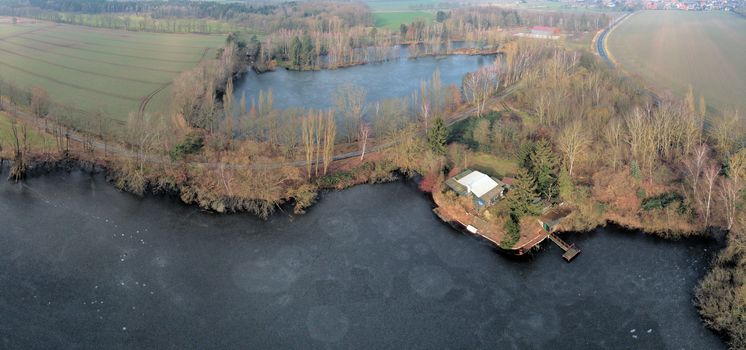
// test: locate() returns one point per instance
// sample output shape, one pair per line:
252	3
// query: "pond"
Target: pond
393	79
84	265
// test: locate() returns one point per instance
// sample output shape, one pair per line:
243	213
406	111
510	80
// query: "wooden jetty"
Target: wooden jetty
571	251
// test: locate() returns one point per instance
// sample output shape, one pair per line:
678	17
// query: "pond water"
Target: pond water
393	79
83	265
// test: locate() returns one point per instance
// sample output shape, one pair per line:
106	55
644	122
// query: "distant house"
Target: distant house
542	32
484	189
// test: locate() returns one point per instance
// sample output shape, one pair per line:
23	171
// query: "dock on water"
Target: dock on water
550	221
571	251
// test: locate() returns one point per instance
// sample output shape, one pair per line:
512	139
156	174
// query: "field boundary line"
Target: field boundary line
114	32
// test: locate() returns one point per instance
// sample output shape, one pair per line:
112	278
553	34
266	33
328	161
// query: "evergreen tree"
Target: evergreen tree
512	232
437	136
524	155
544	169
635	170
522	198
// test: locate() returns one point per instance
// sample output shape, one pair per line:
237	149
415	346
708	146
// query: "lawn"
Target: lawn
99	70
495	166
393	20
36	140
672	49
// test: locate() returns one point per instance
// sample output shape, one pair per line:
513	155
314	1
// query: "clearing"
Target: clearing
672	49
394	20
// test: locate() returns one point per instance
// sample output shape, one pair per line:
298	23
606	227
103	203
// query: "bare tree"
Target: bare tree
730	193
39	102
350	102
424	104
308	131
573	142
641	139
710	176
362	138
694	167
725	131
479	86
614	137
330	135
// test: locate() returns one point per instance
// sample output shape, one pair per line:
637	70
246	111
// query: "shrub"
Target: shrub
720	295
661	201
334	179
192	144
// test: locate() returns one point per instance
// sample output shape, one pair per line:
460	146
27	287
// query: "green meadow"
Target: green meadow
111	72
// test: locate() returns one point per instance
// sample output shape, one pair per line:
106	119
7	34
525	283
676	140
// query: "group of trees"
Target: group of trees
193	95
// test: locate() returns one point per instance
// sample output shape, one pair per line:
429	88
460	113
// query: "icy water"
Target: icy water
393	79
83	265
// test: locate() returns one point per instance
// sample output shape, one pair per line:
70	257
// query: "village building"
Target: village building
542	32
484	189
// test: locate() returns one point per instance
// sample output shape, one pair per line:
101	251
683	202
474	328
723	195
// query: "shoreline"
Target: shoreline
46	164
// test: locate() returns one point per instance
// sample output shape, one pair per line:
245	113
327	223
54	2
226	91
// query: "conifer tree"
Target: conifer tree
437	136
522	198
544	169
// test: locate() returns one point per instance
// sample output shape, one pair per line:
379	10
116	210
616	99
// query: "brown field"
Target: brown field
672	49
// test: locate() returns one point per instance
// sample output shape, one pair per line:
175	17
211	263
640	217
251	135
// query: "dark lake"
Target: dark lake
83	265
393	79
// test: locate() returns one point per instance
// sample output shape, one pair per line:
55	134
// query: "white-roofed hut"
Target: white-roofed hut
486	190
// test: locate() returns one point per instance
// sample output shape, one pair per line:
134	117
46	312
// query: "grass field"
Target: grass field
36	141
99	70
399	5
493	165
393	20
672	49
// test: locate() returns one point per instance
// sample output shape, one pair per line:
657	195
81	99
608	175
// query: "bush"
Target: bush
192	144
334	179
661	201
304	197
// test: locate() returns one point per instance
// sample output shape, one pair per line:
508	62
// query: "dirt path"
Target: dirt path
118	150
147	98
